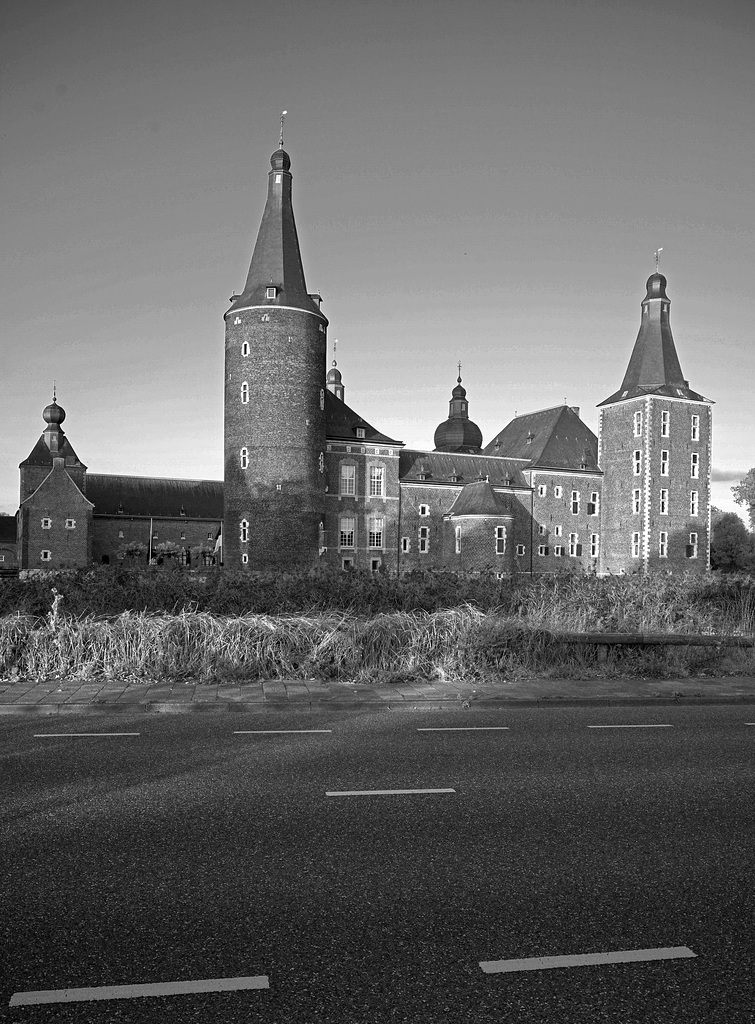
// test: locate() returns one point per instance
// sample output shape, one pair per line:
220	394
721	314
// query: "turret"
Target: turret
458	433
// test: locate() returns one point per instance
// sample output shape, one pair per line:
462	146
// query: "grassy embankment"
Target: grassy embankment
144	625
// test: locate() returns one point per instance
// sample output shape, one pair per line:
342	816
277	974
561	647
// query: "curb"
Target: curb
267	706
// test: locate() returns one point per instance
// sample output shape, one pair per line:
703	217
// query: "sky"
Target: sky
483	181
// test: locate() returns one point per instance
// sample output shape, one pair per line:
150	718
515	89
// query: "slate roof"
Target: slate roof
443	467
548	439
341	423
152	496
478	499
277	258
41	455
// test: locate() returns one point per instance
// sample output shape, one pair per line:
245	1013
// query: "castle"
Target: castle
309	482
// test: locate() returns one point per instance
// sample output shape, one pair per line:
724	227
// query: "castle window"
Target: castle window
693	503
375	564
243	531
322	398
377	475
638	424
575	503
348	479
120	535
244	393
635	545
244	458
594	545
557	531
405	544
664	502
665	416
46	524
424	510
593	503
183	534
664	463
360	431
245	348
695	465
636	498
424	539
692	546
278	179
521	550
663	544
346	530
245	559
542	490
321	328
541	530
347	563
637	461
46	556
500	540
70	524
375	528
271	292
542	550
265	318
558	491
558	551
458	540
575	548
695	428
321	462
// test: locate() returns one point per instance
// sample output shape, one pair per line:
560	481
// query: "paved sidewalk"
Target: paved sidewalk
53	696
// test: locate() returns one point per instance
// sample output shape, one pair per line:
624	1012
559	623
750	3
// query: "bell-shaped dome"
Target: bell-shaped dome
334	375
280	160
458	433
54	413
656	287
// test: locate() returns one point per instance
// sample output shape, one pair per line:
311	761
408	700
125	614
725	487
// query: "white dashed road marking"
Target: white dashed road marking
622	956
466	728
167	988
53	735
273	732
385	792
647	725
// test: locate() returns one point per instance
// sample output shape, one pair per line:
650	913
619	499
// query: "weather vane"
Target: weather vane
658	258
335	348
54	392
460	371
283	114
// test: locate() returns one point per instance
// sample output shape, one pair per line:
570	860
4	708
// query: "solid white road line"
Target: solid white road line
385	792
167	988
622	956
53	735
646	725
749	723
466	728
271	732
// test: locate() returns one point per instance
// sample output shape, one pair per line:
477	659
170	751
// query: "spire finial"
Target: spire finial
458	379
335	349
54	394
657	255
283	114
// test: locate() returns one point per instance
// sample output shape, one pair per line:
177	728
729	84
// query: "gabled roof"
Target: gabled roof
548	439
478	499
454	468
64	480
152	496
341	423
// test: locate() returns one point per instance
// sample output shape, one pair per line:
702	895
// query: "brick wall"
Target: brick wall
112	534
558	527
57	519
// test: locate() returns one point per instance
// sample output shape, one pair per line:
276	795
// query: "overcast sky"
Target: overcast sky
477	180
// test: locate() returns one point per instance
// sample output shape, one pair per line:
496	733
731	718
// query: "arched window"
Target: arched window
244	393
244	458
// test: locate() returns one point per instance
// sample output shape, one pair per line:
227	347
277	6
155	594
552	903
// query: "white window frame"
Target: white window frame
695	428
663	501
347	479
638	424
558	551
245	348
244	558
521	550
694	503
424	510
635	545
500	540
557	531
245	392
575	503
270	292
457	536
70	524
360	432
663	544
594	545
542	490
424	539
664	462
376	481
573	544
636	501
406	545
350	535
693	544
45	555
542	550
46	523
665	423
376	532
244	458
243	531
637	461
595	502
694	467
558	491
542	529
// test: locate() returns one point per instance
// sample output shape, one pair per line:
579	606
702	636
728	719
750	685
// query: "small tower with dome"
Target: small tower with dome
458	433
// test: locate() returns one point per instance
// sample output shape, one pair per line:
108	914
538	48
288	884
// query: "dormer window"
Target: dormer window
360	431
271	291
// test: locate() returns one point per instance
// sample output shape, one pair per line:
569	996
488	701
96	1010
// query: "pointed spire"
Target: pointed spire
276	274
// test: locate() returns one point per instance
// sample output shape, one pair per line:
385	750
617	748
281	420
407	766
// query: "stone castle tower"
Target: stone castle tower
655	450
275	346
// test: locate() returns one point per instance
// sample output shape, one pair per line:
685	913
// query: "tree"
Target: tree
744	494
732	546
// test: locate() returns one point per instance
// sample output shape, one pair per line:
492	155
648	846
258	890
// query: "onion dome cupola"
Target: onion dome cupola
334	380
458	433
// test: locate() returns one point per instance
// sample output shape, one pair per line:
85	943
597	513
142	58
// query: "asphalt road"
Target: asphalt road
188	852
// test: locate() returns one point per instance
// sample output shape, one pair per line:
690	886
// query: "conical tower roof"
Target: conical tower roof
654	366
276	260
